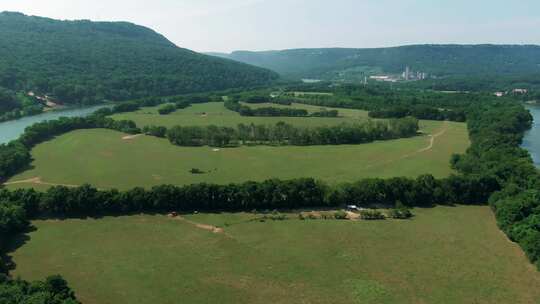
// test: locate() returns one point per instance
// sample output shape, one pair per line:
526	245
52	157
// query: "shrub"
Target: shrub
196	171
372	215
167	109
340	215
400	211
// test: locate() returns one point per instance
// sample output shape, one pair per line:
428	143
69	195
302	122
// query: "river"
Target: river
531	142
12	129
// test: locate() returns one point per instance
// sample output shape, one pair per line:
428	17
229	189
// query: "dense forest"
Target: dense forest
88	62
436	60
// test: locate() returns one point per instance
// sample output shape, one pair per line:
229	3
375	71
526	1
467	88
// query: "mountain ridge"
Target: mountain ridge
436	59
83	61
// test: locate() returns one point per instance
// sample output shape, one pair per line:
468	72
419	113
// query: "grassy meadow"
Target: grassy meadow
215	113
443	255
104	159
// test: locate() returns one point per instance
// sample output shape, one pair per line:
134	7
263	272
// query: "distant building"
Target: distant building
407	73
380	78
520	91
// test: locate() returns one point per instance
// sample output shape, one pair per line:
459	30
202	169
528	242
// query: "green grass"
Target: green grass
217	114
443	255
102	158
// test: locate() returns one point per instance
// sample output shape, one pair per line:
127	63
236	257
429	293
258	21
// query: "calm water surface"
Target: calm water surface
531	141
12	129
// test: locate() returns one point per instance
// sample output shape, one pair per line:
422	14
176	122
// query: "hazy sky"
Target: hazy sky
225	25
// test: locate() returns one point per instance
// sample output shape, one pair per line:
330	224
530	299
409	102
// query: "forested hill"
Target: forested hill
438	60
84	61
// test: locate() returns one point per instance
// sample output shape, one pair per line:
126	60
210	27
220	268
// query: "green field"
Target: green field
443	255
104	159
215	113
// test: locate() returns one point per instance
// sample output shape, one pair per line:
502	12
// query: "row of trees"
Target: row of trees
265	111
286	134
54	290
420	112
496	133
270	194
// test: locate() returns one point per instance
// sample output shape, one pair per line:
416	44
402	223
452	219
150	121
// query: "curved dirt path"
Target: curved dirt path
38	181
131	137
432	138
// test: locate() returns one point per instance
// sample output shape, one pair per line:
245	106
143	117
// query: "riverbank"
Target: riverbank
531	142
12	129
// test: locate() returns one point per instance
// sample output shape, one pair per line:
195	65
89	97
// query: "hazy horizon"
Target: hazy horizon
262	25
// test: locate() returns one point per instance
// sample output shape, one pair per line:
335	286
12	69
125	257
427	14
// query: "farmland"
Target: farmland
105	159
442	255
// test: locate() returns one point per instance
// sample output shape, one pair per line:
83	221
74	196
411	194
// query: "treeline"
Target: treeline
420	112
270	194
274	111
383	102
14	219
265	111
263	99
286	134
15	155
170	104
12	107
496	133
53	290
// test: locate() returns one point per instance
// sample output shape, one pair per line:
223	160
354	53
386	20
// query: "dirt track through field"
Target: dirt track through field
206	227
131	137
432	138
38	181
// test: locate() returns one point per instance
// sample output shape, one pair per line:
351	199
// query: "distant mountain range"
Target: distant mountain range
84	61
438	60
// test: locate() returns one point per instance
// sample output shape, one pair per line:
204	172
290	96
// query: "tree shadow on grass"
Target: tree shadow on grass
4	179
13	245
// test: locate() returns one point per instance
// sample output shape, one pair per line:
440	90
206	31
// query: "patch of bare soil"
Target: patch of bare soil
131	137
352	216
38	181
206	227
432	138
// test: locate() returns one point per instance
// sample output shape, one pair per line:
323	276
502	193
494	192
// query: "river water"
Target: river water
531	141
12	129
